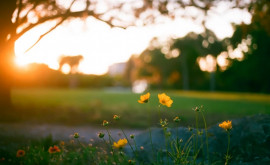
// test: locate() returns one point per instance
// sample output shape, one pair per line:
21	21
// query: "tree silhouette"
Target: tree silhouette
72	61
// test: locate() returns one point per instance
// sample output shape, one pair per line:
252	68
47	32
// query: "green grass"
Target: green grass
88	106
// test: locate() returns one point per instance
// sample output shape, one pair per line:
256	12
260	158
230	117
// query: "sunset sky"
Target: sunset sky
102	46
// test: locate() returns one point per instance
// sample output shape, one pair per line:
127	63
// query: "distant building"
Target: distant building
117	69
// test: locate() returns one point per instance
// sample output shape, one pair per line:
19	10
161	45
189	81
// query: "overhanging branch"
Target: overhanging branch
43	35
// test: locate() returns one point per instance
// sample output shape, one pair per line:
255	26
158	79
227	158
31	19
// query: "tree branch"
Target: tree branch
18	12
54	27
43	35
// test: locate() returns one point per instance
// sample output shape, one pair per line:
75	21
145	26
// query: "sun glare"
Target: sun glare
66	69
21	61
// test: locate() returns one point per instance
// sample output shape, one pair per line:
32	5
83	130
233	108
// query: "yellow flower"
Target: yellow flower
227	125
120	144
20	153
144	98
54	149
165	100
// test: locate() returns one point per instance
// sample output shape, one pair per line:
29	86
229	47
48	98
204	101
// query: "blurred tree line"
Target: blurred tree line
202	62
40	75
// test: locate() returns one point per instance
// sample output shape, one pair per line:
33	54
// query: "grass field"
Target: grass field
91	107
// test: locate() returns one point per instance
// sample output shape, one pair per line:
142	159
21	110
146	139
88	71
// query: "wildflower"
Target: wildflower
144	98
132	136
165	100
20	153
116	117
163	123
76	135
176	119
105	123
54	149
227	125
62	143
131	162
120	144
101	135
196	109
142	148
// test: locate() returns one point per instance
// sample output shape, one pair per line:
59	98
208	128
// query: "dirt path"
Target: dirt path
59	132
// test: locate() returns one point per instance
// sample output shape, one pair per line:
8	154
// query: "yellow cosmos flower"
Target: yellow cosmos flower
120	144
144	98
20	153
227	125
165	100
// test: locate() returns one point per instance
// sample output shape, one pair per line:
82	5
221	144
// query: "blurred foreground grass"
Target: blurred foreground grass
91	107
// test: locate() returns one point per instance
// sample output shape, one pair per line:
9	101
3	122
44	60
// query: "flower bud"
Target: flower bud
76	135
105	123
101	135
176	119
116	117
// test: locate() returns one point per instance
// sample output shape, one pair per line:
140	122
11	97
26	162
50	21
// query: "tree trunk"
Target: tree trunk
7	30
185	76
212	81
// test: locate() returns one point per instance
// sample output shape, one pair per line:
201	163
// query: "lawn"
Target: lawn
92	106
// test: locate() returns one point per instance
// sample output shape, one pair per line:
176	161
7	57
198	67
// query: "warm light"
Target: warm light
207	63
222	60
66	69
102	46
21	61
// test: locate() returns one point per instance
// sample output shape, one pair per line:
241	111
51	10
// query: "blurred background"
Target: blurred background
78	62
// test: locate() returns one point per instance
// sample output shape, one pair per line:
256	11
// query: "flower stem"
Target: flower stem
129	142
206	137
227	154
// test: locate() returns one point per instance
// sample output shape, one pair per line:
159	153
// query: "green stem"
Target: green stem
150	131
151	141
111	145
227	155
206	137
197	129
129	142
